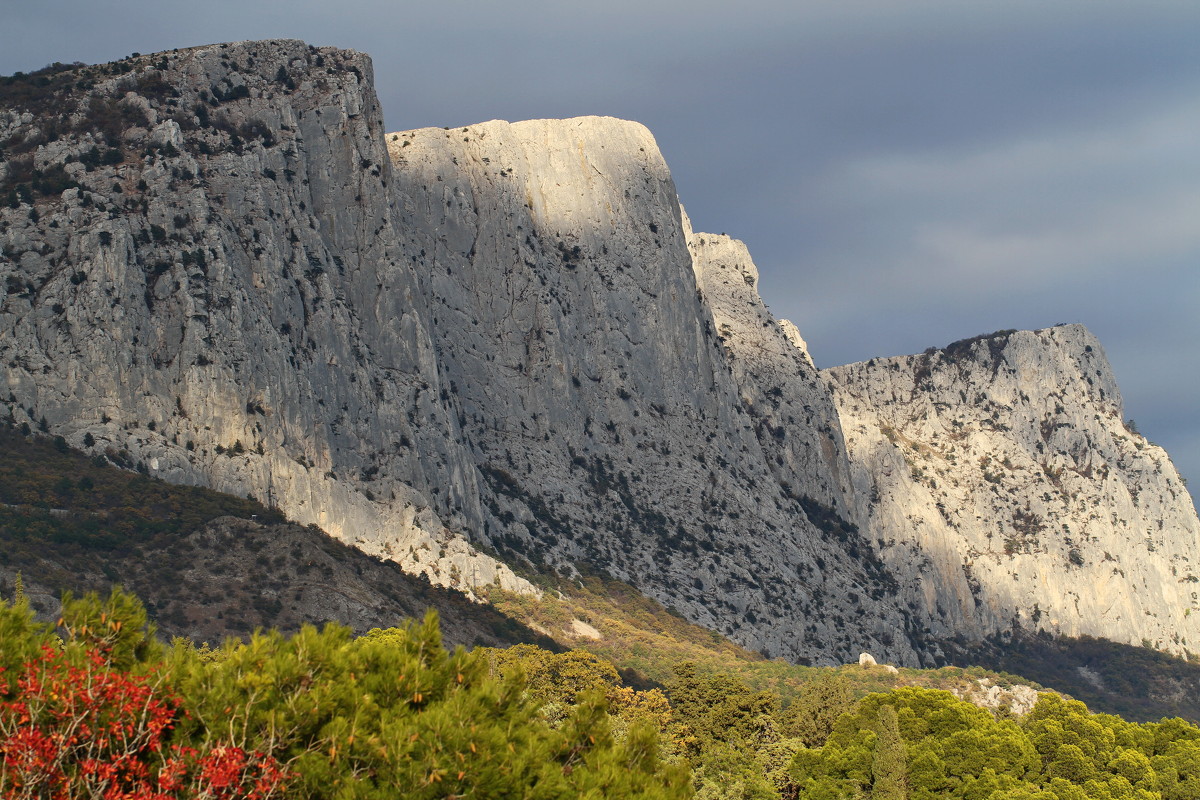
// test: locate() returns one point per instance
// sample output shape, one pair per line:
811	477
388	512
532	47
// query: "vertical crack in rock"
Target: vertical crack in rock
594	389
213	291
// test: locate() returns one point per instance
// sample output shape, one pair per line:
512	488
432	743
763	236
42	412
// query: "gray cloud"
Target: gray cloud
905	174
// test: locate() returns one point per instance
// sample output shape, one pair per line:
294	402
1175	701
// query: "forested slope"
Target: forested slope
208	565
100	707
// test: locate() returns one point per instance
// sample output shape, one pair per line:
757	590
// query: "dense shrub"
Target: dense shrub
84	717
950	748
98	710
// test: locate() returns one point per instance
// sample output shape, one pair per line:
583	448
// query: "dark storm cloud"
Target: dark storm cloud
905	174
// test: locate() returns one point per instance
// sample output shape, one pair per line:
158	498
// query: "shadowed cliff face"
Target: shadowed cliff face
218	269
213	289
794	416
597	396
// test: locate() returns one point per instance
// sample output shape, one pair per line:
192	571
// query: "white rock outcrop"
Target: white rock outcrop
229	304
1003	486
587	338
1016	699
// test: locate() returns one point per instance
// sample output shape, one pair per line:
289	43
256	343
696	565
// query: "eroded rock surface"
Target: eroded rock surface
1000	472
207	283
506	337
615	420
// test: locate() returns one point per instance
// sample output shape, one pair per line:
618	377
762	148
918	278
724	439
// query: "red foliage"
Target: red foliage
92	731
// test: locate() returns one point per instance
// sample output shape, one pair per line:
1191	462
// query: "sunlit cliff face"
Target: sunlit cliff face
1003	469
506	335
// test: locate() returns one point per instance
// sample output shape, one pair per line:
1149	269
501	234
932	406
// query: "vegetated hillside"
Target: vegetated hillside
1136	682
207	565
648	643
96	707
322	714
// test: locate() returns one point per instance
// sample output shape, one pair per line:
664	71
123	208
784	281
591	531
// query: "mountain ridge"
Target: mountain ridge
1048	486
443	343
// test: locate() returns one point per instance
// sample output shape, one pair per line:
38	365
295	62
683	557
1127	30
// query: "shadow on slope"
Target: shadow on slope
207	565
1138	683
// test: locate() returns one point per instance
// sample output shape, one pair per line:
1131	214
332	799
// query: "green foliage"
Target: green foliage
566	685
76	725
950	748
116	628
390	714
21	638
560	678
812	715
560	682
360	718
718	707
394	713
394	710
726	771
889	758
730	735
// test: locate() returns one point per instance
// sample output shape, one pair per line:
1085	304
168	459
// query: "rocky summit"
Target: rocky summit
502	345
1000	477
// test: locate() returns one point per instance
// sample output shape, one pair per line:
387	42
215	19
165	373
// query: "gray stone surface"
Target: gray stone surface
999	478
235	310
505	338
605	403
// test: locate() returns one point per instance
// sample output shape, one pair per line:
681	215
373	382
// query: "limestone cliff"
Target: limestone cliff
1000	474
594	390
219	270
794	416
204	280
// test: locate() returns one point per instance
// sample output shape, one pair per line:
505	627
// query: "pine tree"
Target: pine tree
889	763
812	715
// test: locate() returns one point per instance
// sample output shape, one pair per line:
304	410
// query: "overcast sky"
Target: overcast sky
905	173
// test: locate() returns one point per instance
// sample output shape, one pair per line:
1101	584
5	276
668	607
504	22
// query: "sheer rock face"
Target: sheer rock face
596	393
999	472
793	413
229	304
218	269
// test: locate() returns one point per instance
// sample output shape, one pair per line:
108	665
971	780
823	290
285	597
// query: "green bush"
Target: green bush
390	714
